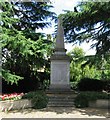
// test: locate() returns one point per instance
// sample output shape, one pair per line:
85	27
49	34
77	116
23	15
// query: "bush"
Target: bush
81	101
88	84
106	85
74	85
83	98
39	99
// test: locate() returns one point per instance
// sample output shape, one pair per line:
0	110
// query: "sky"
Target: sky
59	6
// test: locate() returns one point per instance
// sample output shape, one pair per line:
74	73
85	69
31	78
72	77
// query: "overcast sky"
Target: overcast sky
60	5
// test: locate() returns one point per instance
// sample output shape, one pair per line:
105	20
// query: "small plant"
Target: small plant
81	101
38	98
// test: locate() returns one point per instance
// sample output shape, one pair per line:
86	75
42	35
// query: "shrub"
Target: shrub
106	85
74	85
88	84
39	101
81	101
38	98
29	95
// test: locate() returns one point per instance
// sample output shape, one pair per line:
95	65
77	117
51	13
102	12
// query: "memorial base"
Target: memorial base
57	87
61	98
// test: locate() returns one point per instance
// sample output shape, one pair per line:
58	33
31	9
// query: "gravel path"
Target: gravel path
57	112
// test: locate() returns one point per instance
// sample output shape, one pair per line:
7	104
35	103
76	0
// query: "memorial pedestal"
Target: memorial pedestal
60	67
59	89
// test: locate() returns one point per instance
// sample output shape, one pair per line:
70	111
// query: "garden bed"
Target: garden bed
100	103
15	104
93	100
16	101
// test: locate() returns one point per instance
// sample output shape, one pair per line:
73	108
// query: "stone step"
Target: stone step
58	99
60	104
61	99
63	102
60	92
63	96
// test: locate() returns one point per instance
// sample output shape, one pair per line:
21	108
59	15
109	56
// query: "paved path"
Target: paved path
57	112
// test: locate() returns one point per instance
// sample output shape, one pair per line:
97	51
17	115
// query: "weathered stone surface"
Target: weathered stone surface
101	103
60	35
15	104
60	63
60	75
59	88
61	99
60	57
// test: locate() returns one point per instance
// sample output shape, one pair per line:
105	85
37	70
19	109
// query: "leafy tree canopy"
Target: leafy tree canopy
23	50
32	15
90	21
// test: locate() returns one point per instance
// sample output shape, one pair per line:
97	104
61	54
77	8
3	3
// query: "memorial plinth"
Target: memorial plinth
60	67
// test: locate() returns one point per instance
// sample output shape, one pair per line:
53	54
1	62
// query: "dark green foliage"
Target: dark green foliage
88	84
8	76
74	85
91	22
33	15
24	51
81	101
96	95
106	84
83	98
40	101
38	98
30	95
92	66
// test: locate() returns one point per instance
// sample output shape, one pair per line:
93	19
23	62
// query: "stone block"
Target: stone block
60	74
15	105
101	103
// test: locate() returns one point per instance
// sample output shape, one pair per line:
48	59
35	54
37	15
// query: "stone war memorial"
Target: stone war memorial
60	64
60	93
